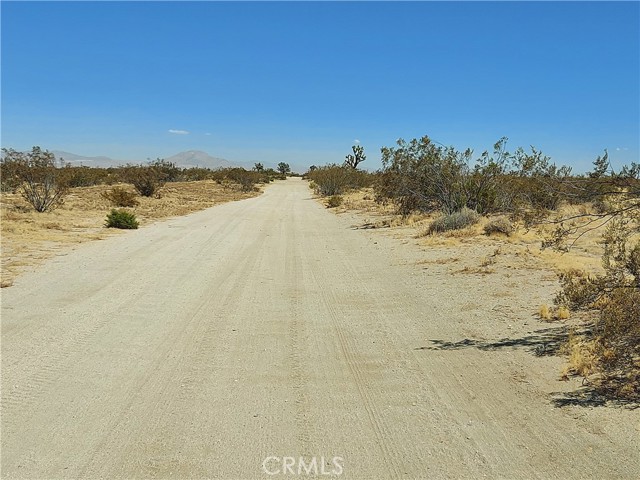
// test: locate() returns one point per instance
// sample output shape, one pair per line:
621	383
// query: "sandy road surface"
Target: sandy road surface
199	346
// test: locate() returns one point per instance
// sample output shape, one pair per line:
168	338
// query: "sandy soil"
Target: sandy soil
200	346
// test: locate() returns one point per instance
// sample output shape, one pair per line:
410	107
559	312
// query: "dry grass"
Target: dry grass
562	313
581	354
549	314
28	237
544	312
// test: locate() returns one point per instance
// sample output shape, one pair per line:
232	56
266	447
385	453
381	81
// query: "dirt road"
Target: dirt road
219	344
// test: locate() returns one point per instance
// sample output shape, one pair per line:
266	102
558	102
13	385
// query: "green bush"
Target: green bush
499	225
454	221
121	219
120	197
334	201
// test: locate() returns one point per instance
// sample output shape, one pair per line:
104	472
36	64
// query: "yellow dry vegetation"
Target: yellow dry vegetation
521	249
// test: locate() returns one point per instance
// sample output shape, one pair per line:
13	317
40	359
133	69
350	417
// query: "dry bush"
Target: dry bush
548	314
544	312
454	221
582	357
334	201
120	197
562	313
501	225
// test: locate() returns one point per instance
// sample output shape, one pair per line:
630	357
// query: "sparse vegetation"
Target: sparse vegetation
121	197
454	221
526	187
121	219
29	236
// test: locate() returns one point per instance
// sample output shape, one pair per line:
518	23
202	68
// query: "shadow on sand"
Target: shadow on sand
544	342
541	342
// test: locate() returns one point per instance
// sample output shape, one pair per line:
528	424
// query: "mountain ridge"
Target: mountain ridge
186	159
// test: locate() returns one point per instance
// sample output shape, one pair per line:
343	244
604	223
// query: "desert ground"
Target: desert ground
202	345
28	237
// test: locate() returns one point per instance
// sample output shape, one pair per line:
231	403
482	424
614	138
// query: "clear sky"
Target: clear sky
301	81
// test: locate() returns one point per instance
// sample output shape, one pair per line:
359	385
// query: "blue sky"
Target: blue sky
302	81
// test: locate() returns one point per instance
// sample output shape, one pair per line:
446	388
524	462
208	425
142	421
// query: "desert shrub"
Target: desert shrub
82	176
334	201
330	180
196	174
615	296
10	173
120	197
454	221
245	179
168	171
121	219
36	177
335	180
146	179
499	225
423	175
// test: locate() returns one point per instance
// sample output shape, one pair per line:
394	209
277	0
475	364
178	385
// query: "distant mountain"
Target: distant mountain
197	158
188	159
86	161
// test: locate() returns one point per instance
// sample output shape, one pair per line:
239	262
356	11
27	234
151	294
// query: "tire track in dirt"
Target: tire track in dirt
388	451
174	378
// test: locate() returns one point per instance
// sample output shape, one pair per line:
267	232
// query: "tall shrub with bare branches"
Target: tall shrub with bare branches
36	176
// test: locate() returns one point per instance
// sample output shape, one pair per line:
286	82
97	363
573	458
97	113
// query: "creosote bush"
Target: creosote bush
426	176
336	180
35	176
454	221
120	197
146	179
121	219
